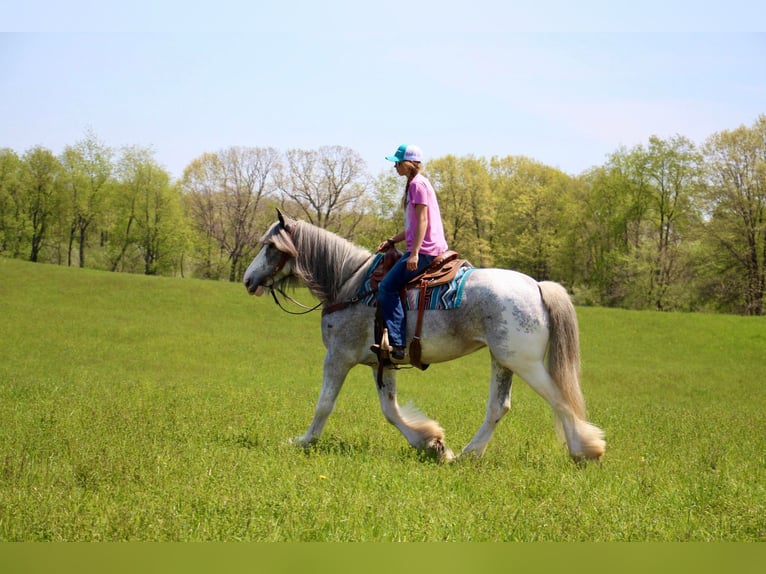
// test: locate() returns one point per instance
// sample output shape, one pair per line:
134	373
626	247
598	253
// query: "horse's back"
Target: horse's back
504	286
501	308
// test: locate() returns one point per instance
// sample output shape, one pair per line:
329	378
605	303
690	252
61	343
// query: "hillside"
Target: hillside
146	408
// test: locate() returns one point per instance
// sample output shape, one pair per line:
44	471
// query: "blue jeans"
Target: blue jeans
389	301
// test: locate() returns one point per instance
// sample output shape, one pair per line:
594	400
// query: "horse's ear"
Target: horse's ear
285	221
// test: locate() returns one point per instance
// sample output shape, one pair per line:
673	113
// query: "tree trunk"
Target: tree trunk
82	245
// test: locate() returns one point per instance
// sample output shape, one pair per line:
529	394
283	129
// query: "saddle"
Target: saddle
442	269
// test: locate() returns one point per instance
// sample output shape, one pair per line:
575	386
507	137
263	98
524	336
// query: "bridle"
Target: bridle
282	262
306	309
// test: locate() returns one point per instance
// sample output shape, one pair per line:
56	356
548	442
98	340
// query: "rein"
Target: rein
294	302
345	304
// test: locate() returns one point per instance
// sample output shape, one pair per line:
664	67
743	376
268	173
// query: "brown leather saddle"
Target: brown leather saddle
443	269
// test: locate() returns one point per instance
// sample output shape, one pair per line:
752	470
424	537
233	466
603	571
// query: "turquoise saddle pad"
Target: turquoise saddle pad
441	297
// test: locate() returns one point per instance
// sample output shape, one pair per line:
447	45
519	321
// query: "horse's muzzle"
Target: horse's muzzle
253	288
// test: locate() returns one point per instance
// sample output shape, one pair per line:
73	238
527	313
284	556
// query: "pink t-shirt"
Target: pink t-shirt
420	192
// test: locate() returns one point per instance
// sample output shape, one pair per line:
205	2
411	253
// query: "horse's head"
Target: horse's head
274	262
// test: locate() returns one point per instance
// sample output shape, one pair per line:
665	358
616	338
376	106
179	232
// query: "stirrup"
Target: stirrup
384	351
385	346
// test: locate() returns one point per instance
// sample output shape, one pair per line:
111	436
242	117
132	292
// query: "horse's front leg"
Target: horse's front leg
334	373
420	431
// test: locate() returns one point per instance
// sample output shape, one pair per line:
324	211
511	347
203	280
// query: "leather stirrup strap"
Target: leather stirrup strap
415	349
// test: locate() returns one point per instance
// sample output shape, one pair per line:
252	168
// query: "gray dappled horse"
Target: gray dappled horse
515	316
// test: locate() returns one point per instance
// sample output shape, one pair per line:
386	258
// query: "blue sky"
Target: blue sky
564	83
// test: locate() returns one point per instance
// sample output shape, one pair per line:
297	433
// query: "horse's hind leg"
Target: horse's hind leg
498	404
583	439
420	431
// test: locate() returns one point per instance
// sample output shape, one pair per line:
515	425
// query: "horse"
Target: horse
519	319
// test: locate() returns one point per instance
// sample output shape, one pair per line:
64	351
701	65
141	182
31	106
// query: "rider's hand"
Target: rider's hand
412	262
386	244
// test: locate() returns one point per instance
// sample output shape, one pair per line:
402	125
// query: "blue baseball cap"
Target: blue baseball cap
406	153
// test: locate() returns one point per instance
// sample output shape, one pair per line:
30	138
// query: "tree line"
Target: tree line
666	225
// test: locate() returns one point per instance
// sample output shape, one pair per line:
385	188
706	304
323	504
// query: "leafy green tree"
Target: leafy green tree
147	223
123	205
735	204
569	257
201	184
603	225
40	183
453	200
383	216
674	169
467	205
11	203
663	225
530	221
87	175
162	236
640	208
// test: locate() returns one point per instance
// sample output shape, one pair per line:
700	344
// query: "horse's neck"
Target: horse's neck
335	266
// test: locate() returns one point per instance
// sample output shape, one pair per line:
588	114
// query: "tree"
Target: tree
201	185
383	215
147	219
528	229
467	205
736	211
248	179
328	186
123	207
225	191
87	175
608	214
40	181
638	210
673	167
161	235
11	204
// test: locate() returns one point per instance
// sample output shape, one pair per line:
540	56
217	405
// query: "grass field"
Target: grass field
140	408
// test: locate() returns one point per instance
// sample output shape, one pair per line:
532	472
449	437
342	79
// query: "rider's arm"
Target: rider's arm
421	213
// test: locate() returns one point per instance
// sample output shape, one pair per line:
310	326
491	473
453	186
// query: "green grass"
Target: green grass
138	408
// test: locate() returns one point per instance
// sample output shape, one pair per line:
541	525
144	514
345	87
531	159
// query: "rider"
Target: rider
424	236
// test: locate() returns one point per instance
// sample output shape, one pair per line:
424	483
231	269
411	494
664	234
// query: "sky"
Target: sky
563	83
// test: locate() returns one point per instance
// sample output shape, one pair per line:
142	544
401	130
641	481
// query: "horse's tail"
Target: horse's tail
585	439
564	345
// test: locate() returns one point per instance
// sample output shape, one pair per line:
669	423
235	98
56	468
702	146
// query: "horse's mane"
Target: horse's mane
331	267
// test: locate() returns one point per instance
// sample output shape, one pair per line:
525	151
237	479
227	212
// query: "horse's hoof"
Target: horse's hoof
582	460
440	451
299	441
471	454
